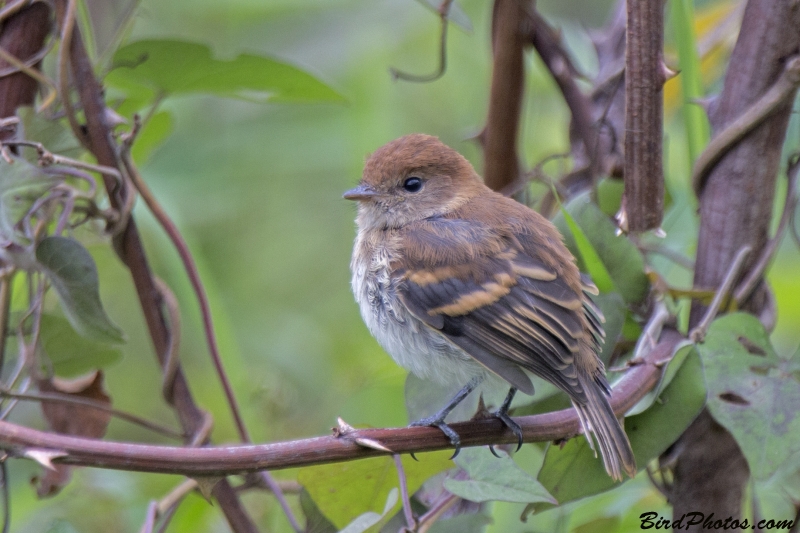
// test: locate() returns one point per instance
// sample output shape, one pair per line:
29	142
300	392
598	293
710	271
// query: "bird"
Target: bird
459	283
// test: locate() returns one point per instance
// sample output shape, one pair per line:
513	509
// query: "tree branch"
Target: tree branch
499	137
342	446
645	74
583	126
735	211
128	244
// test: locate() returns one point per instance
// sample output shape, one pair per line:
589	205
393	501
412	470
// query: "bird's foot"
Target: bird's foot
438	421
504	417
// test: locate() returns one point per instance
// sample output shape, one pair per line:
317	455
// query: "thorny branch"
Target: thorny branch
500	136
547	43
342	446
645	74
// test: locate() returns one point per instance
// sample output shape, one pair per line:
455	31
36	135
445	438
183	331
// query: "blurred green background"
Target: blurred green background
256	190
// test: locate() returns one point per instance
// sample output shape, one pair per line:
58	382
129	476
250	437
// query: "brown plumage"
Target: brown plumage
456	281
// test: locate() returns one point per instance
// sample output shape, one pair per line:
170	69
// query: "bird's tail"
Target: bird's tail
598	418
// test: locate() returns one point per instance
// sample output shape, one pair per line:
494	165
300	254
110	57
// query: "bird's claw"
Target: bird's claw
510	424
455	440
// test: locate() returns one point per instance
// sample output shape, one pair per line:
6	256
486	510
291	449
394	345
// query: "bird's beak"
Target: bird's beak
360	193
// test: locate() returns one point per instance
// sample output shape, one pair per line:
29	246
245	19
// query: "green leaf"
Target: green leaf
752	391
620	258
572	471
316	522
681	352
594	265
153	134
493	479
697	127
463	523
73	274
370	518
71	354
346	490
179	67
609	195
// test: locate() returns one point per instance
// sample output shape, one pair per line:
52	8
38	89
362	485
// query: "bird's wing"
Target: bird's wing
495	301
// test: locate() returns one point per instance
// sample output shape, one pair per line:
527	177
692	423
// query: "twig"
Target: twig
672	255
444	10
559	63
197	285
699	332
48	158
171	363
277	491
12	8
6	287
150	518
6	499
652	331
771	101
67	26
92	404
411	524
129	246
436	511
226	460
745	288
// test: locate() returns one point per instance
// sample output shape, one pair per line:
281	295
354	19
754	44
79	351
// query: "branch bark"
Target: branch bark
645	74
22	36
735	211
347	444
499	137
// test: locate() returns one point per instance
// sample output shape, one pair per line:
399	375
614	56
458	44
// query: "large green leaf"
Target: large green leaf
343	491
622	260
493	479
73	274
589	257
70	353
370	518
179	67
752	391
316	522
572	471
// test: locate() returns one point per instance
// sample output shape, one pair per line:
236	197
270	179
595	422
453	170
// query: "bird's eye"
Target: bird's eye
412	184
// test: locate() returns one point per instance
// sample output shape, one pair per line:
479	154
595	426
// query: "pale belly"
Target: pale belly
411	343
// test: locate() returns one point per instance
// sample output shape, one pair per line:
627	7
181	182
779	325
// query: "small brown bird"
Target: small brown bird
458	283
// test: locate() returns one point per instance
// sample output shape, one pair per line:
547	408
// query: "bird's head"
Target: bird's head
412	178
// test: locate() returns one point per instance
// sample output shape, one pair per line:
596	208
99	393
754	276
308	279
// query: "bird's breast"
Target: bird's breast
411	343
